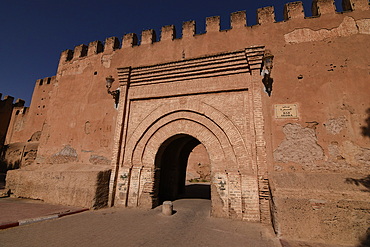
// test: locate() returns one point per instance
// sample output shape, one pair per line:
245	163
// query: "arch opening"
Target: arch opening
171	163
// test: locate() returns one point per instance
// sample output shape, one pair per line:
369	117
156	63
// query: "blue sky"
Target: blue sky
34	32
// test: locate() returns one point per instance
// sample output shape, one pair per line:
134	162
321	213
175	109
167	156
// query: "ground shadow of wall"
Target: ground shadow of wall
365	181
365	242
366	129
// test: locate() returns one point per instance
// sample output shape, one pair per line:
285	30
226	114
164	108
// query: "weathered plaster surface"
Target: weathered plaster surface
335	125
300	145
348	27
67	154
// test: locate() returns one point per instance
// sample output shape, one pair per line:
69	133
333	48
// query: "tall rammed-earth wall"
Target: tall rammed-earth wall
89	109
305	147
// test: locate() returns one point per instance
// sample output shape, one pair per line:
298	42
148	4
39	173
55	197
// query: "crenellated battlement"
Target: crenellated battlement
19	103
350	5
265	15
6	98
238	20
293	10
168	33
46	80
10	99
322	7
213	24
148	37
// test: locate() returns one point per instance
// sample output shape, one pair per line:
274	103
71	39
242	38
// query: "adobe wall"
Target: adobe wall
6	108
27	122
9	112
198	167
25	127
58	184
314	163
87	66
17	155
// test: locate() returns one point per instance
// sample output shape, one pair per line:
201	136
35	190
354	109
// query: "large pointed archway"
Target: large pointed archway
171	165
165	107
170	128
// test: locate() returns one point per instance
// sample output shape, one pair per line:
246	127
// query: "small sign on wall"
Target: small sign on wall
286	111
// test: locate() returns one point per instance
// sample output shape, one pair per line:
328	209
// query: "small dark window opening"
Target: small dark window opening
41	81
17	112
48	82
96	72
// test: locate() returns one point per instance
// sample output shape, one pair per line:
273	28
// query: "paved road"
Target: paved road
190	226
15	209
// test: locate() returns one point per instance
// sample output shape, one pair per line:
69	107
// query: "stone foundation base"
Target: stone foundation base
327	208
67	184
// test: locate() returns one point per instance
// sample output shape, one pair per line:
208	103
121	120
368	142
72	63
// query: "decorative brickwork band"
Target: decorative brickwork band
119	137
234	163
254	55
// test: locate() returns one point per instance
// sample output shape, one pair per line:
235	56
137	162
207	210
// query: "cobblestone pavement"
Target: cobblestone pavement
191	225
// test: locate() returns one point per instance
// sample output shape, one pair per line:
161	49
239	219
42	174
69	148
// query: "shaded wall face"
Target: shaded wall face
198	168
17	155
6	108
171	162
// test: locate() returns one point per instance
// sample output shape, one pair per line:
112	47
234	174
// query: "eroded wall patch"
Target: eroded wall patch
348	27
67	154
336	125
99	160
300	145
